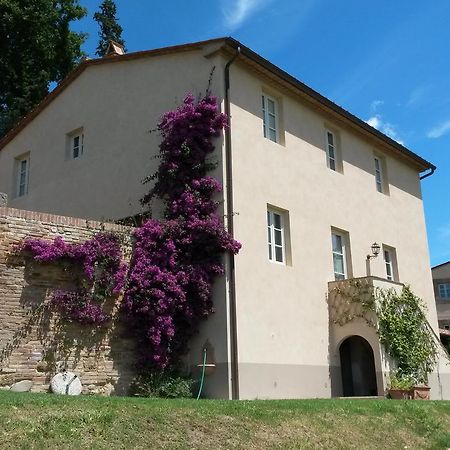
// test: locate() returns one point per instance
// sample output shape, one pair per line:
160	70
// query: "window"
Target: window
388	264
378	174
276	236
22	175
338	257
331	150
444	290
270	118
339	246
77	145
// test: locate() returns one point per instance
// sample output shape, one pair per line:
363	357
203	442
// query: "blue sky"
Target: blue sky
388	62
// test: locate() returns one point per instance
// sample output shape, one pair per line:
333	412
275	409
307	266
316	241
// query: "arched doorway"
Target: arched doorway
357	368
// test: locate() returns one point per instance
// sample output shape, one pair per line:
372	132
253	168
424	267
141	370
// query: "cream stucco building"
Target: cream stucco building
441	284
308	188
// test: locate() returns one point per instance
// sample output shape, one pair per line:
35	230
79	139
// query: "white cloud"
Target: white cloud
387	128
439	130
417	95
236	12
444	231
375	105
375	122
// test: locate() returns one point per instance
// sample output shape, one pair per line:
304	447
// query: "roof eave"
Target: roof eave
420	162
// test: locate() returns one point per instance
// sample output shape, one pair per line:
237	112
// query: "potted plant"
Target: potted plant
407	337
406	387
400	387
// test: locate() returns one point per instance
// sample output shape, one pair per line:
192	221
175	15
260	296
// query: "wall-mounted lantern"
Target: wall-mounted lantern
375	251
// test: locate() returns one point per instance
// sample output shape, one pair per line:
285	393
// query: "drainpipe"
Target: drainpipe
229	194
432	170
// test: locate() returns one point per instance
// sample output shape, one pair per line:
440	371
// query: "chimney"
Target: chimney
114	49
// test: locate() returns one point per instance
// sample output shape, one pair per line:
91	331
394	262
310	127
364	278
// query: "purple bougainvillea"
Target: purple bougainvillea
176	260
103	274
168	290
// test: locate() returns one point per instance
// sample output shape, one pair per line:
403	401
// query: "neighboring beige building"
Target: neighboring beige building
441	283
308	188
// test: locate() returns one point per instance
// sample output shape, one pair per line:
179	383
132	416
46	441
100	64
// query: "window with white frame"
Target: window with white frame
444	290
22	175
331	150
339	247
389	265
379	174
276	236
390	262
76	145
270	117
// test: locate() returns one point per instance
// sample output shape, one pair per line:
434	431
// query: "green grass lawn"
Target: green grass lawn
47	421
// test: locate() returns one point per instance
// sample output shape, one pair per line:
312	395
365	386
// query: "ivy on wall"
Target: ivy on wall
399	320
406	335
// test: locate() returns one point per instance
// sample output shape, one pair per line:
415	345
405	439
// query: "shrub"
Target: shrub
165	384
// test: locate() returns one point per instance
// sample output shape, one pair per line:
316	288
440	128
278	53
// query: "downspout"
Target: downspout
432	170
229	194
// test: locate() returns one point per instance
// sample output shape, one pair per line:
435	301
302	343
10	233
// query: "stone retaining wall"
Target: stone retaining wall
34	343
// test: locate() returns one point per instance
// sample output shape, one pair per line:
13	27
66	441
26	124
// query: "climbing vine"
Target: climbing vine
102	275
176	259
399	320
406	335
351	299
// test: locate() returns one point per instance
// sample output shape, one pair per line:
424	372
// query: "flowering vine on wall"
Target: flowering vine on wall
101	277
168	286
175	260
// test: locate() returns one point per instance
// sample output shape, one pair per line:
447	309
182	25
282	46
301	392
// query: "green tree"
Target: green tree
110	30
37	48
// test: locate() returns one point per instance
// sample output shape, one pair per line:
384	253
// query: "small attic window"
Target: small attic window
75	144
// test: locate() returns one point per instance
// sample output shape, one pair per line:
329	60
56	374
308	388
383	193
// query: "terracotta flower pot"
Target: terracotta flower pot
400	394
421	392
415	393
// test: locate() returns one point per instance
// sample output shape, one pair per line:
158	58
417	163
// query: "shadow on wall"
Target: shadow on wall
36	343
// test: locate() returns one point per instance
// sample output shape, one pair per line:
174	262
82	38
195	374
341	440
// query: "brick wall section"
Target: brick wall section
34	344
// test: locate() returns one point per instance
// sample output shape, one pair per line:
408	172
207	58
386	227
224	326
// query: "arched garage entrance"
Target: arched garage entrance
357	367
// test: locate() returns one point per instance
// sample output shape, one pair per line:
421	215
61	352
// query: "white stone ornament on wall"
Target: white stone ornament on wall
66	383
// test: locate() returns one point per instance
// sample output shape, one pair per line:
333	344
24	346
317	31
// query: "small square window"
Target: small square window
22	175
270	117
444	290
